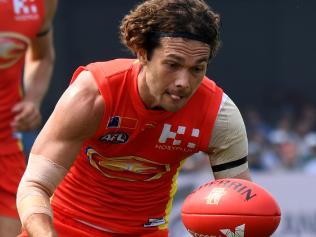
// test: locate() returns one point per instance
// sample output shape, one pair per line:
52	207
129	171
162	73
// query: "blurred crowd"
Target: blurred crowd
279	140
288	142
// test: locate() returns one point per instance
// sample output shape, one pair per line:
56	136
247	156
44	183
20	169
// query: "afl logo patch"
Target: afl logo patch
114	137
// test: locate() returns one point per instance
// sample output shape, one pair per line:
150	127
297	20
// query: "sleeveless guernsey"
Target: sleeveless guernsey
20	21
124	177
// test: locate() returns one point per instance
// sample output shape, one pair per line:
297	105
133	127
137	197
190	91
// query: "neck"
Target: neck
144	92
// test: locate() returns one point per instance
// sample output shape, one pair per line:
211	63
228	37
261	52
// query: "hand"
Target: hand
27	116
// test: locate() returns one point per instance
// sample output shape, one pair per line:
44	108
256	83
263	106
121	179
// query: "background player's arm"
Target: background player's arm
76	117
229	144
39	62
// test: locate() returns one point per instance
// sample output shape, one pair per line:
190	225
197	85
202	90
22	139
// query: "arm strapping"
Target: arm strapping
41	178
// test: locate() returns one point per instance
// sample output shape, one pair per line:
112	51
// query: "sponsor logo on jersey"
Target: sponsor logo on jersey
239	232
116	137
170	138
25	10
215	196
122	122
155	222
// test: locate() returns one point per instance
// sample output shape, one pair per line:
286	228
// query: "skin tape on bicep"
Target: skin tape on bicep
41	178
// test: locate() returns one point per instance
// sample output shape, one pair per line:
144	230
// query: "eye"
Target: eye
173	65
198	69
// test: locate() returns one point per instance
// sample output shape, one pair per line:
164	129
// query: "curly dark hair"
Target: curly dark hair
139	28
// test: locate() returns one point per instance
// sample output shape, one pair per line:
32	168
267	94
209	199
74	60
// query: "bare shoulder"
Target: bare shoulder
85	84
76	117
50	11
84	93
81	104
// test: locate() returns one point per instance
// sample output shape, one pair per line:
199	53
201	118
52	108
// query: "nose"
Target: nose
183	79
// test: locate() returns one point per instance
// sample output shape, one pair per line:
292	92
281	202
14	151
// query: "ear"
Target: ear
142	56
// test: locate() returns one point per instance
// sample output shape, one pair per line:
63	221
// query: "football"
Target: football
230	208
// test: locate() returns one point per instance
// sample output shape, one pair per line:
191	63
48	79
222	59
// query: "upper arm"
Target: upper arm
75	118
50	11
229	145
42	46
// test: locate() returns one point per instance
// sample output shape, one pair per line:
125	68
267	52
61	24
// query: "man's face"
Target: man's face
174	73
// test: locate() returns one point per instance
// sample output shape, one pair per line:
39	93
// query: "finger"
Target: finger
27	124
25	117
17	107
22	127
31	117
24	114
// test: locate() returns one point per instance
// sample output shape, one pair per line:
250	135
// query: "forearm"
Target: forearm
38	183
39	63
37	77
38	225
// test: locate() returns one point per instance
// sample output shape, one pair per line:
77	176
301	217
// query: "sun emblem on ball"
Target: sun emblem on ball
215	196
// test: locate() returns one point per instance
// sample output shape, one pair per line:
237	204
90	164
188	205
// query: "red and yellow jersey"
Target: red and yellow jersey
20	21
124	178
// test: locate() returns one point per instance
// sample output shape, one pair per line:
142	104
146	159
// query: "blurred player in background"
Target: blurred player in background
26	50
121	131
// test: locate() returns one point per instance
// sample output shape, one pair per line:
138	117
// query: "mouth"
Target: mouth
175	96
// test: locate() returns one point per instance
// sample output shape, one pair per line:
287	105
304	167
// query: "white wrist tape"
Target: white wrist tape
41	178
